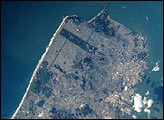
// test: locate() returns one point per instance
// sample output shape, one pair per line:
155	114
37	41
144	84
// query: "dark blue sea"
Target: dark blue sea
27	27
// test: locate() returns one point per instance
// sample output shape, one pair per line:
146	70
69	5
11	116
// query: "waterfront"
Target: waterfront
25	38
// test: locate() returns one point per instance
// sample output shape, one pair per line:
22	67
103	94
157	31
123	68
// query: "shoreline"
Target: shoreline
40	61
37	66
43	57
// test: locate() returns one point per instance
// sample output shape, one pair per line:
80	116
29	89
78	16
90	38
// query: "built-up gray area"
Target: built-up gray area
89	71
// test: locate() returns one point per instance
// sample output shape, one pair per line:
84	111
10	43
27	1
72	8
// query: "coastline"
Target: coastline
108	18
40	61
44	54
37	66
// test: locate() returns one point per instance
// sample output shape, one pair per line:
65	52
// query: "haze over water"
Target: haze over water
27	28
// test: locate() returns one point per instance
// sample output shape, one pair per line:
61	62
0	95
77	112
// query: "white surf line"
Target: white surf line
37	67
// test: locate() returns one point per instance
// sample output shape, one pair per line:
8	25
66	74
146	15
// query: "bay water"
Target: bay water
27	27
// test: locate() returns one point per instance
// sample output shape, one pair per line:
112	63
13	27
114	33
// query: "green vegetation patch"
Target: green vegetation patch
47	91
41	103
36	86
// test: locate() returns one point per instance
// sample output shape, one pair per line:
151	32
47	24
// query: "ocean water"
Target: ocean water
27	27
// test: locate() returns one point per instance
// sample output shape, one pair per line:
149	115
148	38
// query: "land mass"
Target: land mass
87	71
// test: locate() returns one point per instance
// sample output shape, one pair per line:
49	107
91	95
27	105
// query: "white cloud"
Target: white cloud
137	103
